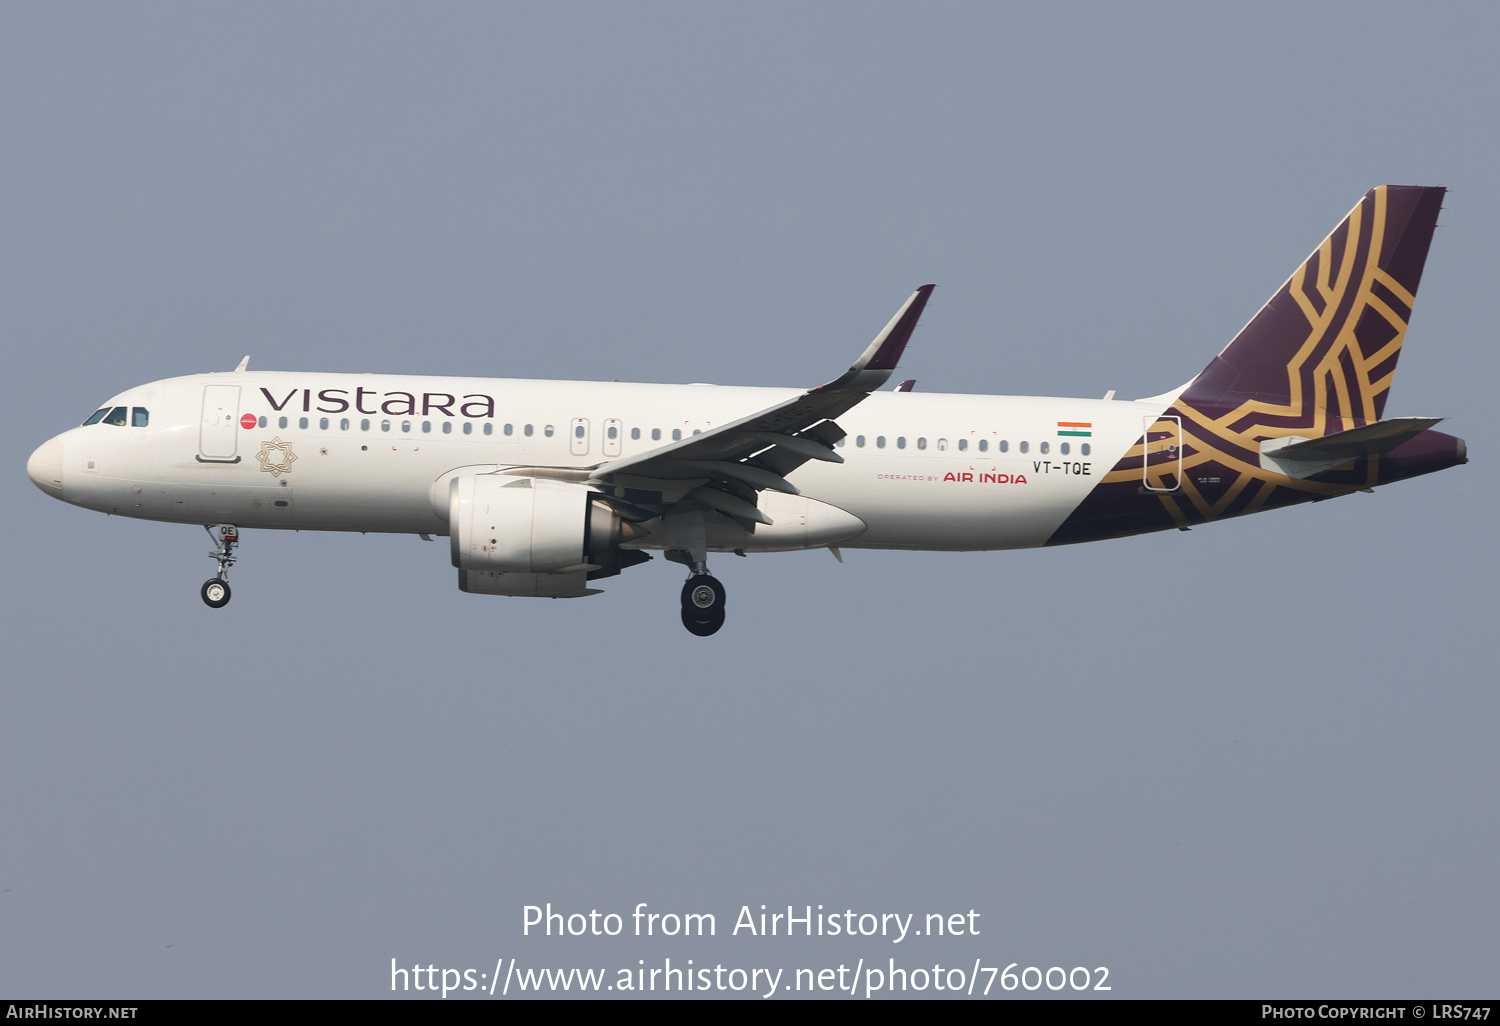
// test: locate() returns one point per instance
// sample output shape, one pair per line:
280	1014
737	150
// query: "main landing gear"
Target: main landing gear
703	604
702	594
216	589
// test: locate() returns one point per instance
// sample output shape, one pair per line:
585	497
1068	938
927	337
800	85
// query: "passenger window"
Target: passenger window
489	429
322	424
901	442
677	434
880	441
578	432
859	441
447	427
547	430
963	445
1045	446
468	427
984	445
139	416
426	427
635	434
97	417
527	431
406	427
344	424
364	425
385	425
1025	446
1084	448
613	432
942	445
262	422
282	422
921	443
302	423
1004	445
509	430
1063	448
656	434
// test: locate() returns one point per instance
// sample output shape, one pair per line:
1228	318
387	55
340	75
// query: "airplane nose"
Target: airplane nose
45	468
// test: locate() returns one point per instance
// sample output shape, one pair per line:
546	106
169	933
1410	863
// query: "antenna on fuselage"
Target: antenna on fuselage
243	365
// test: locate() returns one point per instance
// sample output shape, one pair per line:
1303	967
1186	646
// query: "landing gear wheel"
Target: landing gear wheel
216	592
225	538
703	598
703	628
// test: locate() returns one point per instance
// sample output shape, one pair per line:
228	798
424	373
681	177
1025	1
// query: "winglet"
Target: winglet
243	365
888	346
879	359
907	385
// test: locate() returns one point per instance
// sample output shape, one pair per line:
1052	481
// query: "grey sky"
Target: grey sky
1255	759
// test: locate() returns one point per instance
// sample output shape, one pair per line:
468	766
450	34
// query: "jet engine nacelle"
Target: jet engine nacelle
528	525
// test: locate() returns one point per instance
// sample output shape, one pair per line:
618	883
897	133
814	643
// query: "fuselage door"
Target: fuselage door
219	432
578	437
612	430
1161	467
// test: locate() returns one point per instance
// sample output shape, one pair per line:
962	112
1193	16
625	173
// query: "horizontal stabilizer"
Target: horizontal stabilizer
1370	440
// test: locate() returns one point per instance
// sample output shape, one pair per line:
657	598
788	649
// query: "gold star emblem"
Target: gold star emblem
276	457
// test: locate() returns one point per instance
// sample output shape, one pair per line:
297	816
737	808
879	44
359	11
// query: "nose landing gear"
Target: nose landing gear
215	590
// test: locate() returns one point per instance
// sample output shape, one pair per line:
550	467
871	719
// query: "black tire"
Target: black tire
215	593
703	628
703	598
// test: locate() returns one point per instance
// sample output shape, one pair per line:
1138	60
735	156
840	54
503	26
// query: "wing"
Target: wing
724	468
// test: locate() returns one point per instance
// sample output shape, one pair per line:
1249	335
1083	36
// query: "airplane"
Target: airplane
545	487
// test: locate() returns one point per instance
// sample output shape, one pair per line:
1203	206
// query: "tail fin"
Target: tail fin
1312	369
1320	355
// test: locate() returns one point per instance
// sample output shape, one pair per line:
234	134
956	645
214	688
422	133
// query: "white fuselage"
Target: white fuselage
365	452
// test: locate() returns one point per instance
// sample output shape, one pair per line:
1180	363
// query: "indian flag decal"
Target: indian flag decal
1075	428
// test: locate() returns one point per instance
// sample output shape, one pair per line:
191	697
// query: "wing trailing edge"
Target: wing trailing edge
725	468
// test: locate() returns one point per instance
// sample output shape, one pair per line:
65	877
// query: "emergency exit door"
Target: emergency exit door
578	437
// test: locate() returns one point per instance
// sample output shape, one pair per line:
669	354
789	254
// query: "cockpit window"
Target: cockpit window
97	417
139	416
116	416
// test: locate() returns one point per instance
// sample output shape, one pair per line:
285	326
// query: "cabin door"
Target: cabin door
219	430
1161	468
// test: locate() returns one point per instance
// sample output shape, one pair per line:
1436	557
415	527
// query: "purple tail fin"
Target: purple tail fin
1320	355
1316	361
